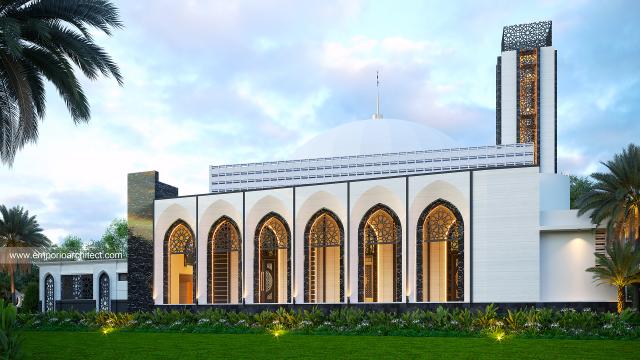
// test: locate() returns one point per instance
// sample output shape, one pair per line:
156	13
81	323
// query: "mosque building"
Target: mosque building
381	211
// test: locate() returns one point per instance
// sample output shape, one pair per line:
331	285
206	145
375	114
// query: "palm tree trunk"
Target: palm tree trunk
620	299
635	288
13	286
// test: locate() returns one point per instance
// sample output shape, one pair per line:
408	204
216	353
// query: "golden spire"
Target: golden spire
377	115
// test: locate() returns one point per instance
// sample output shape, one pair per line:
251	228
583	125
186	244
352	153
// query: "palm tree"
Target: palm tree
615	196
18	229
43	39
615	199
620	267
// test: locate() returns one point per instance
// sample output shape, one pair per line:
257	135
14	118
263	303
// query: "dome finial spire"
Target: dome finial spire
377	115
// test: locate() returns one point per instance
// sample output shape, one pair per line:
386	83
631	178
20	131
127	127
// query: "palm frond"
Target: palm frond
43	39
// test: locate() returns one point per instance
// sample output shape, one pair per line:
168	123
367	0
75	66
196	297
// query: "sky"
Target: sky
219	82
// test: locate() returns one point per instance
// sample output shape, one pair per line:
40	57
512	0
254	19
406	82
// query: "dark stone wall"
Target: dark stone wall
119	306
397	307
83	305
142	189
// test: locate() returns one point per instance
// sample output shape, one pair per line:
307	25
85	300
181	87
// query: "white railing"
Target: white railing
263	175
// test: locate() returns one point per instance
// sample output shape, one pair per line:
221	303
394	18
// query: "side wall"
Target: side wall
564	256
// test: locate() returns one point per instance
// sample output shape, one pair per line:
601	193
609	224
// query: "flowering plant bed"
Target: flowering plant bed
527	323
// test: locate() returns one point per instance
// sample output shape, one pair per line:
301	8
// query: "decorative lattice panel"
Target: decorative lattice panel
526	36
104	303
49	302
226	238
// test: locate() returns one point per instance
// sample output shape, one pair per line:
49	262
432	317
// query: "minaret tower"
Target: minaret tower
526	91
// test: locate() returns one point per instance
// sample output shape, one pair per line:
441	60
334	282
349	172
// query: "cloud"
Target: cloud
214	82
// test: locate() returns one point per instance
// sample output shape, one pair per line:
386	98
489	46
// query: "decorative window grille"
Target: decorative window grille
324	232
441	222
77	287
49	302
601	241
105	293
528	99
226	238
274	235
181	242
381	229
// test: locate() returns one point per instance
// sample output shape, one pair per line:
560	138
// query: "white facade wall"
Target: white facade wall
554	192
508	97
503	216
167	212
506	237
547	110
96	267
564	256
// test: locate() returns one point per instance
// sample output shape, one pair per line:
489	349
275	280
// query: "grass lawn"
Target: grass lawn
128	345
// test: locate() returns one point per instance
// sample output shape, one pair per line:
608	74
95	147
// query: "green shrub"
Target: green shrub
314	316
487	319
31	298
531	322
9	339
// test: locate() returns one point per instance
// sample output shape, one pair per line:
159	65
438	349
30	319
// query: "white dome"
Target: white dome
374	136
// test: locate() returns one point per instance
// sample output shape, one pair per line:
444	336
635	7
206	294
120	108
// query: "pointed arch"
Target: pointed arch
224	244
104	292
272	238
330	235
380	226
440	227
49	293
179	243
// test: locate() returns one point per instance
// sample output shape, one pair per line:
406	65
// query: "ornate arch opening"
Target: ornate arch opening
440	253
179	264
324	258
224	262
104	292
272	260
49	291
380	256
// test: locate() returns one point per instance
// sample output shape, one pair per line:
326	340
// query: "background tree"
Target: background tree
114	239
43	39
579	185
620	267
69	244
18	229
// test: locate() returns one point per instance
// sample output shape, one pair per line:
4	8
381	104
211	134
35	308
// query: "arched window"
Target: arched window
272	260
224	273
179	261
323	261
104	299
49	290
380	256
440	253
